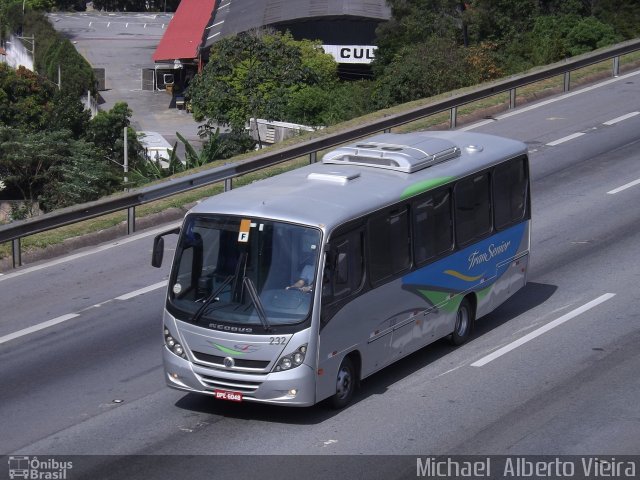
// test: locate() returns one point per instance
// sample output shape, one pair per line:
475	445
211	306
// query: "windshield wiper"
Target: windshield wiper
211	298
248	283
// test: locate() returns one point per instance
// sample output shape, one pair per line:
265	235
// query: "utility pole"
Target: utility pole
126	158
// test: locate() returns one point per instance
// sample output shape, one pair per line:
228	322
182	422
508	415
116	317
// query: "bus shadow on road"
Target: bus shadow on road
532	295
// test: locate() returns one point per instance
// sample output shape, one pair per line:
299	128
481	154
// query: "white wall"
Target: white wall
18	54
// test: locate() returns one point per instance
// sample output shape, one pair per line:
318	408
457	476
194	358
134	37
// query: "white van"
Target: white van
156	147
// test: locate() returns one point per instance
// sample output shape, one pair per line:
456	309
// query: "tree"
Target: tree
588	34
501	21
327	105
76	74
26	99
25	159
414	22
106	132
622	15
253	75
422	70
81	176
68	113
52	169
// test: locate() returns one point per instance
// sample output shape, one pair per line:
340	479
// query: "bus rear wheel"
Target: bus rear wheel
345	384
464	323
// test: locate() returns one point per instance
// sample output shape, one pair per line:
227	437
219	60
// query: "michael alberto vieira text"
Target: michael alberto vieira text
522	467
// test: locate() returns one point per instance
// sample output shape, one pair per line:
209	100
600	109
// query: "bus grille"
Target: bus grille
239	362
217	383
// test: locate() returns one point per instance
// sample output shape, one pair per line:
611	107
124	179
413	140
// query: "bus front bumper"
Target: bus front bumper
295	387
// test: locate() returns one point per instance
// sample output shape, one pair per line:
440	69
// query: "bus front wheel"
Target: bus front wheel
464	323
345	384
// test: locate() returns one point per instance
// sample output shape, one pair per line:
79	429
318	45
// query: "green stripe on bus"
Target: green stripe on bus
425	185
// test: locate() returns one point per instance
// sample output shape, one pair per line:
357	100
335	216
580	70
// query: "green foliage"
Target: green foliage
255	74
318	105
75	73
421	70
501	21
413	22
215	147
589	34
502	36
52	49
106	132
32	102
81	177
26	99
548	38
52	168
556	37
622	15
68	113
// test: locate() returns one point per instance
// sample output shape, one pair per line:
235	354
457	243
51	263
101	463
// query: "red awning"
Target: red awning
185	31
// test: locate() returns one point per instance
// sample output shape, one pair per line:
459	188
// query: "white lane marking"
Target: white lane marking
476	125
565	139
624	187
142	291
621	118
449	371
101	248
69	316
38	327
536	333
518	111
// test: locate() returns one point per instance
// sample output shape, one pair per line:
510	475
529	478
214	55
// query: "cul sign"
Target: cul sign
351	53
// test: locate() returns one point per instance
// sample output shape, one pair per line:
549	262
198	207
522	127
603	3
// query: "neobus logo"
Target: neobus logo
237	349
228	328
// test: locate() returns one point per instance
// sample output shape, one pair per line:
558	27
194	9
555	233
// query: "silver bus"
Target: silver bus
293	289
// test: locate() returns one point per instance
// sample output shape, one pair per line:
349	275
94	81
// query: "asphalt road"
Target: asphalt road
90	382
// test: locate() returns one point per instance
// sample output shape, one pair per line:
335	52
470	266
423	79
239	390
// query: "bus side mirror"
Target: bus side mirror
158	247
158	251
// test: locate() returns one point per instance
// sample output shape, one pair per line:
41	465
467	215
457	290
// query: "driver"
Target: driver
305	282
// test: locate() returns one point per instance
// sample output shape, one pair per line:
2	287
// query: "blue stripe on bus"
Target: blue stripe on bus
470	266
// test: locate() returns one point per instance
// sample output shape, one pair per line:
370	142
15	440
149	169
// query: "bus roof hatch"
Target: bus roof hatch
403	158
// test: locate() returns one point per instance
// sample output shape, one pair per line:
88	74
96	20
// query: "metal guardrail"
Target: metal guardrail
14	231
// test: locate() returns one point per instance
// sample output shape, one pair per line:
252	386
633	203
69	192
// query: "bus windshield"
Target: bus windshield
243	274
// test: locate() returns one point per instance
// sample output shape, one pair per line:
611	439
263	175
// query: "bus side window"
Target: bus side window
344	275
473	217
389	243
510	193
432	225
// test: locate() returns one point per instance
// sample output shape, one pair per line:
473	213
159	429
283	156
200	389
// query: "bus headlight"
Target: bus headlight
172	345
292	360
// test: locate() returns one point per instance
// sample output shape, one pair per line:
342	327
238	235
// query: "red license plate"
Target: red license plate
227	395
